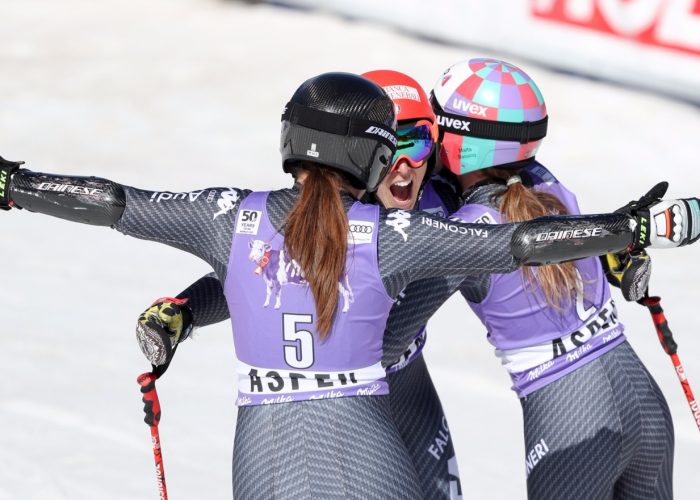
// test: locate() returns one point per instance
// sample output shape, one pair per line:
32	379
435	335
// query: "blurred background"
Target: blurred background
185	94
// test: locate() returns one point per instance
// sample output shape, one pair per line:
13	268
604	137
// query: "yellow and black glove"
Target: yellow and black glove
162	327
630	272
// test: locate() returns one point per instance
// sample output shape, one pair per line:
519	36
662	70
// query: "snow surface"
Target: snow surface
184	94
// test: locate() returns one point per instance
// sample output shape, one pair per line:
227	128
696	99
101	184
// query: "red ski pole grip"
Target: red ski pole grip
151	404
146	379
662	329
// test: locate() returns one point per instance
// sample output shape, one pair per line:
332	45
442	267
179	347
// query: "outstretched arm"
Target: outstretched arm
647	222
199	222
415	245
90	200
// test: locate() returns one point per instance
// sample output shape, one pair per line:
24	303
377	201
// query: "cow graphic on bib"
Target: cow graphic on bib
277	269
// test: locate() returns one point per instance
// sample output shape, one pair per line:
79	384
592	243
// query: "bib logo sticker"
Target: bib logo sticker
486	218
277	269
399	220
602	321
248	222
281	383
360	232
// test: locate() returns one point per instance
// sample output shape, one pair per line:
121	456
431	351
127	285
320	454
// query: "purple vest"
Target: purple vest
536	343
280	355
429	202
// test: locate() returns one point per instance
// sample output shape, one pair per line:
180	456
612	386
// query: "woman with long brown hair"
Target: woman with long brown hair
415	406
308	311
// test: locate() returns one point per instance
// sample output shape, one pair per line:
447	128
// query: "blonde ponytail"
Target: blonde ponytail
559	282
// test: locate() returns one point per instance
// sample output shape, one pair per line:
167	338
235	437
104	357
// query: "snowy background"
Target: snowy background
184	94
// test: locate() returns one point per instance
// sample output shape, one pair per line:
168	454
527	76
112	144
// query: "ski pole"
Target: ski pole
670	346
147	381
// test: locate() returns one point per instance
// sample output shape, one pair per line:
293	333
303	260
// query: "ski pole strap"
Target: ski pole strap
159	371
661	324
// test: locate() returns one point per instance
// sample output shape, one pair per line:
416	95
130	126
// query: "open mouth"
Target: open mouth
401	190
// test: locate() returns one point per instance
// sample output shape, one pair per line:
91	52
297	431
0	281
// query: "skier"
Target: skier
337	140
415	405
596	424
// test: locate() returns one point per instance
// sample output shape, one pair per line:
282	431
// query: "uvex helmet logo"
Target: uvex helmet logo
453	123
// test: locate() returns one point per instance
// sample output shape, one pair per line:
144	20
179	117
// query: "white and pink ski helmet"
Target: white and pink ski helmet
489	113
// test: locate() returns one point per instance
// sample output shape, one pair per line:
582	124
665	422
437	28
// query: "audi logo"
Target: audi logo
356	228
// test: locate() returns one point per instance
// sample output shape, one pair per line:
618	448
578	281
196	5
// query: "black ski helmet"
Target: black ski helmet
342	121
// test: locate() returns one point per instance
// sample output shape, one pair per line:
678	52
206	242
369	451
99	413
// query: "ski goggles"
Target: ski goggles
416	141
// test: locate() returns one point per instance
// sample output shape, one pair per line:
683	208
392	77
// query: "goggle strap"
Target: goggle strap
411	162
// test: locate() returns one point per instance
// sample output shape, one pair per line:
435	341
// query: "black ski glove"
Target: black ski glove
630	272
7	168
162	327
663	223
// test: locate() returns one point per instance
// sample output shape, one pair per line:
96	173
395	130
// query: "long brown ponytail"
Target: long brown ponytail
316	236
520	203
